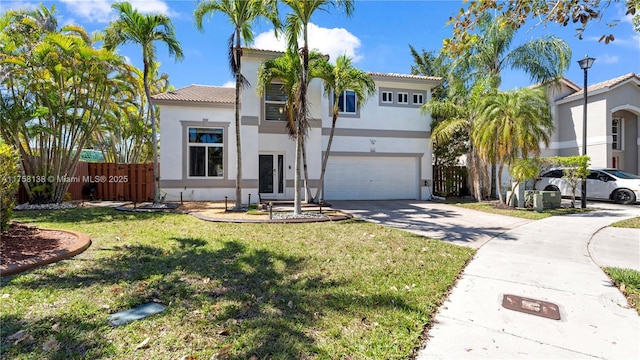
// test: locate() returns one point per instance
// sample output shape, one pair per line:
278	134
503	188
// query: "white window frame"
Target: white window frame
219	173
344	102
402	97
421	97
617	134
388	95
282	104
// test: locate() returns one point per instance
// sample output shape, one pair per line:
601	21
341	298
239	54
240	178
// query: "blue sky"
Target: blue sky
377	37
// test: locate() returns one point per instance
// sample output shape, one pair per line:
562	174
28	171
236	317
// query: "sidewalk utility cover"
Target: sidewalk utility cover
531	306
137	313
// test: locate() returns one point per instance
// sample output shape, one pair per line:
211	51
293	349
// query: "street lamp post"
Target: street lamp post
585	64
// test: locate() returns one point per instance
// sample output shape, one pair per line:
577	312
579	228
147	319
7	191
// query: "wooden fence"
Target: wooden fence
122	182
450	181
108	181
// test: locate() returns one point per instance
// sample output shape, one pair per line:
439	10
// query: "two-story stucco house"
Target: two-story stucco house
613	122
379	151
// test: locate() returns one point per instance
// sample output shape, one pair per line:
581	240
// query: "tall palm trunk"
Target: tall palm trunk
307	193
154	136
238	64
499	180
302	118
494	182
325	158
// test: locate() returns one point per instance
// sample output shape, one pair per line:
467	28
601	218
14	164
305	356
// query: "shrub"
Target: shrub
9	172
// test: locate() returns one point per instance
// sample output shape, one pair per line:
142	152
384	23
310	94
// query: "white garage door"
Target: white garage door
371	178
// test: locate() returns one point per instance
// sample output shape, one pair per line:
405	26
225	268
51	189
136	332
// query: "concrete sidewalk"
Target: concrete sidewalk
546	260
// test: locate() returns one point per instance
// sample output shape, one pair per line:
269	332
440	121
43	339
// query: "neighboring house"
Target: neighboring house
379	151
613	122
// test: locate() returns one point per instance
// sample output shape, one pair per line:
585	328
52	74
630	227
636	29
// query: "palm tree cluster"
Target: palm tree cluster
61	92
498	126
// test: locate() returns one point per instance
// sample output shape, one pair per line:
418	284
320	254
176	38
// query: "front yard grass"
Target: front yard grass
347	289
628	281
520	213
633	223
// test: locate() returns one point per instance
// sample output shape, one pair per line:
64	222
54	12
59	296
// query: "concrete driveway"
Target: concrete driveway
555	260
435	220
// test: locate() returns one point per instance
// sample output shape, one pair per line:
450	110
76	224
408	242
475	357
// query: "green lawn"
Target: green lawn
628	281
633	223
326	290
521	213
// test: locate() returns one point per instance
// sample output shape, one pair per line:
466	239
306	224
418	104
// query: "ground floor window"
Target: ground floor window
205	152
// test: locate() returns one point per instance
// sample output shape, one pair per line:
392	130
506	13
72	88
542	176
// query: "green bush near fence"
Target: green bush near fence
9	172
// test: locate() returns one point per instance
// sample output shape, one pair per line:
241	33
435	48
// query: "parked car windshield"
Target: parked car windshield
622	174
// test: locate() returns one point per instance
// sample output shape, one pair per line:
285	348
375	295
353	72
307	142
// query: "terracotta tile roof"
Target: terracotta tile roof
201	94
571	83
604	85
406	76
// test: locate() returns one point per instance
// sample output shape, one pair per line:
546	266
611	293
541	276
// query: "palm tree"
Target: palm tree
297	26
125	137
144	29
338	79
286	69
242	14
512	124
543	59
458	112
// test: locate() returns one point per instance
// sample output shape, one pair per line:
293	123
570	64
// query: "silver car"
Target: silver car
603	184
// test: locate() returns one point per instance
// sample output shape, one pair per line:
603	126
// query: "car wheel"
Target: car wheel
624	196
551	188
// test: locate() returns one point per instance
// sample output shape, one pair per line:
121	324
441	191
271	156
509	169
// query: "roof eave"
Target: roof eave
171	102
574	96
434	81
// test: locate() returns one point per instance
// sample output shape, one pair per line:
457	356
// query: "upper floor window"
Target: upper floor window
616	133
347	102
275	100
418	99
403	98
386	97
206	148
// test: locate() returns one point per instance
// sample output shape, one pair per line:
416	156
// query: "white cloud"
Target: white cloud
229	84
608	59
334	41
94	11
19	4
152	6
99	11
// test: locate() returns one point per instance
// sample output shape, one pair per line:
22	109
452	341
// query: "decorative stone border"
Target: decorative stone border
273	221
81	244
197	215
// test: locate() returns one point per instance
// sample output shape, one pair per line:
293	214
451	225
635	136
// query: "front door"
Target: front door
271	175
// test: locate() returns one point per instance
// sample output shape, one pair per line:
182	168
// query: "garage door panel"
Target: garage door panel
371	178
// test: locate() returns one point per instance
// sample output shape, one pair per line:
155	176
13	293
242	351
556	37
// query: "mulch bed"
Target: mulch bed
22	245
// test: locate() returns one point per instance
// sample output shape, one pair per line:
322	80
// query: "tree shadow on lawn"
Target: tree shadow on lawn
68	334
259	302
